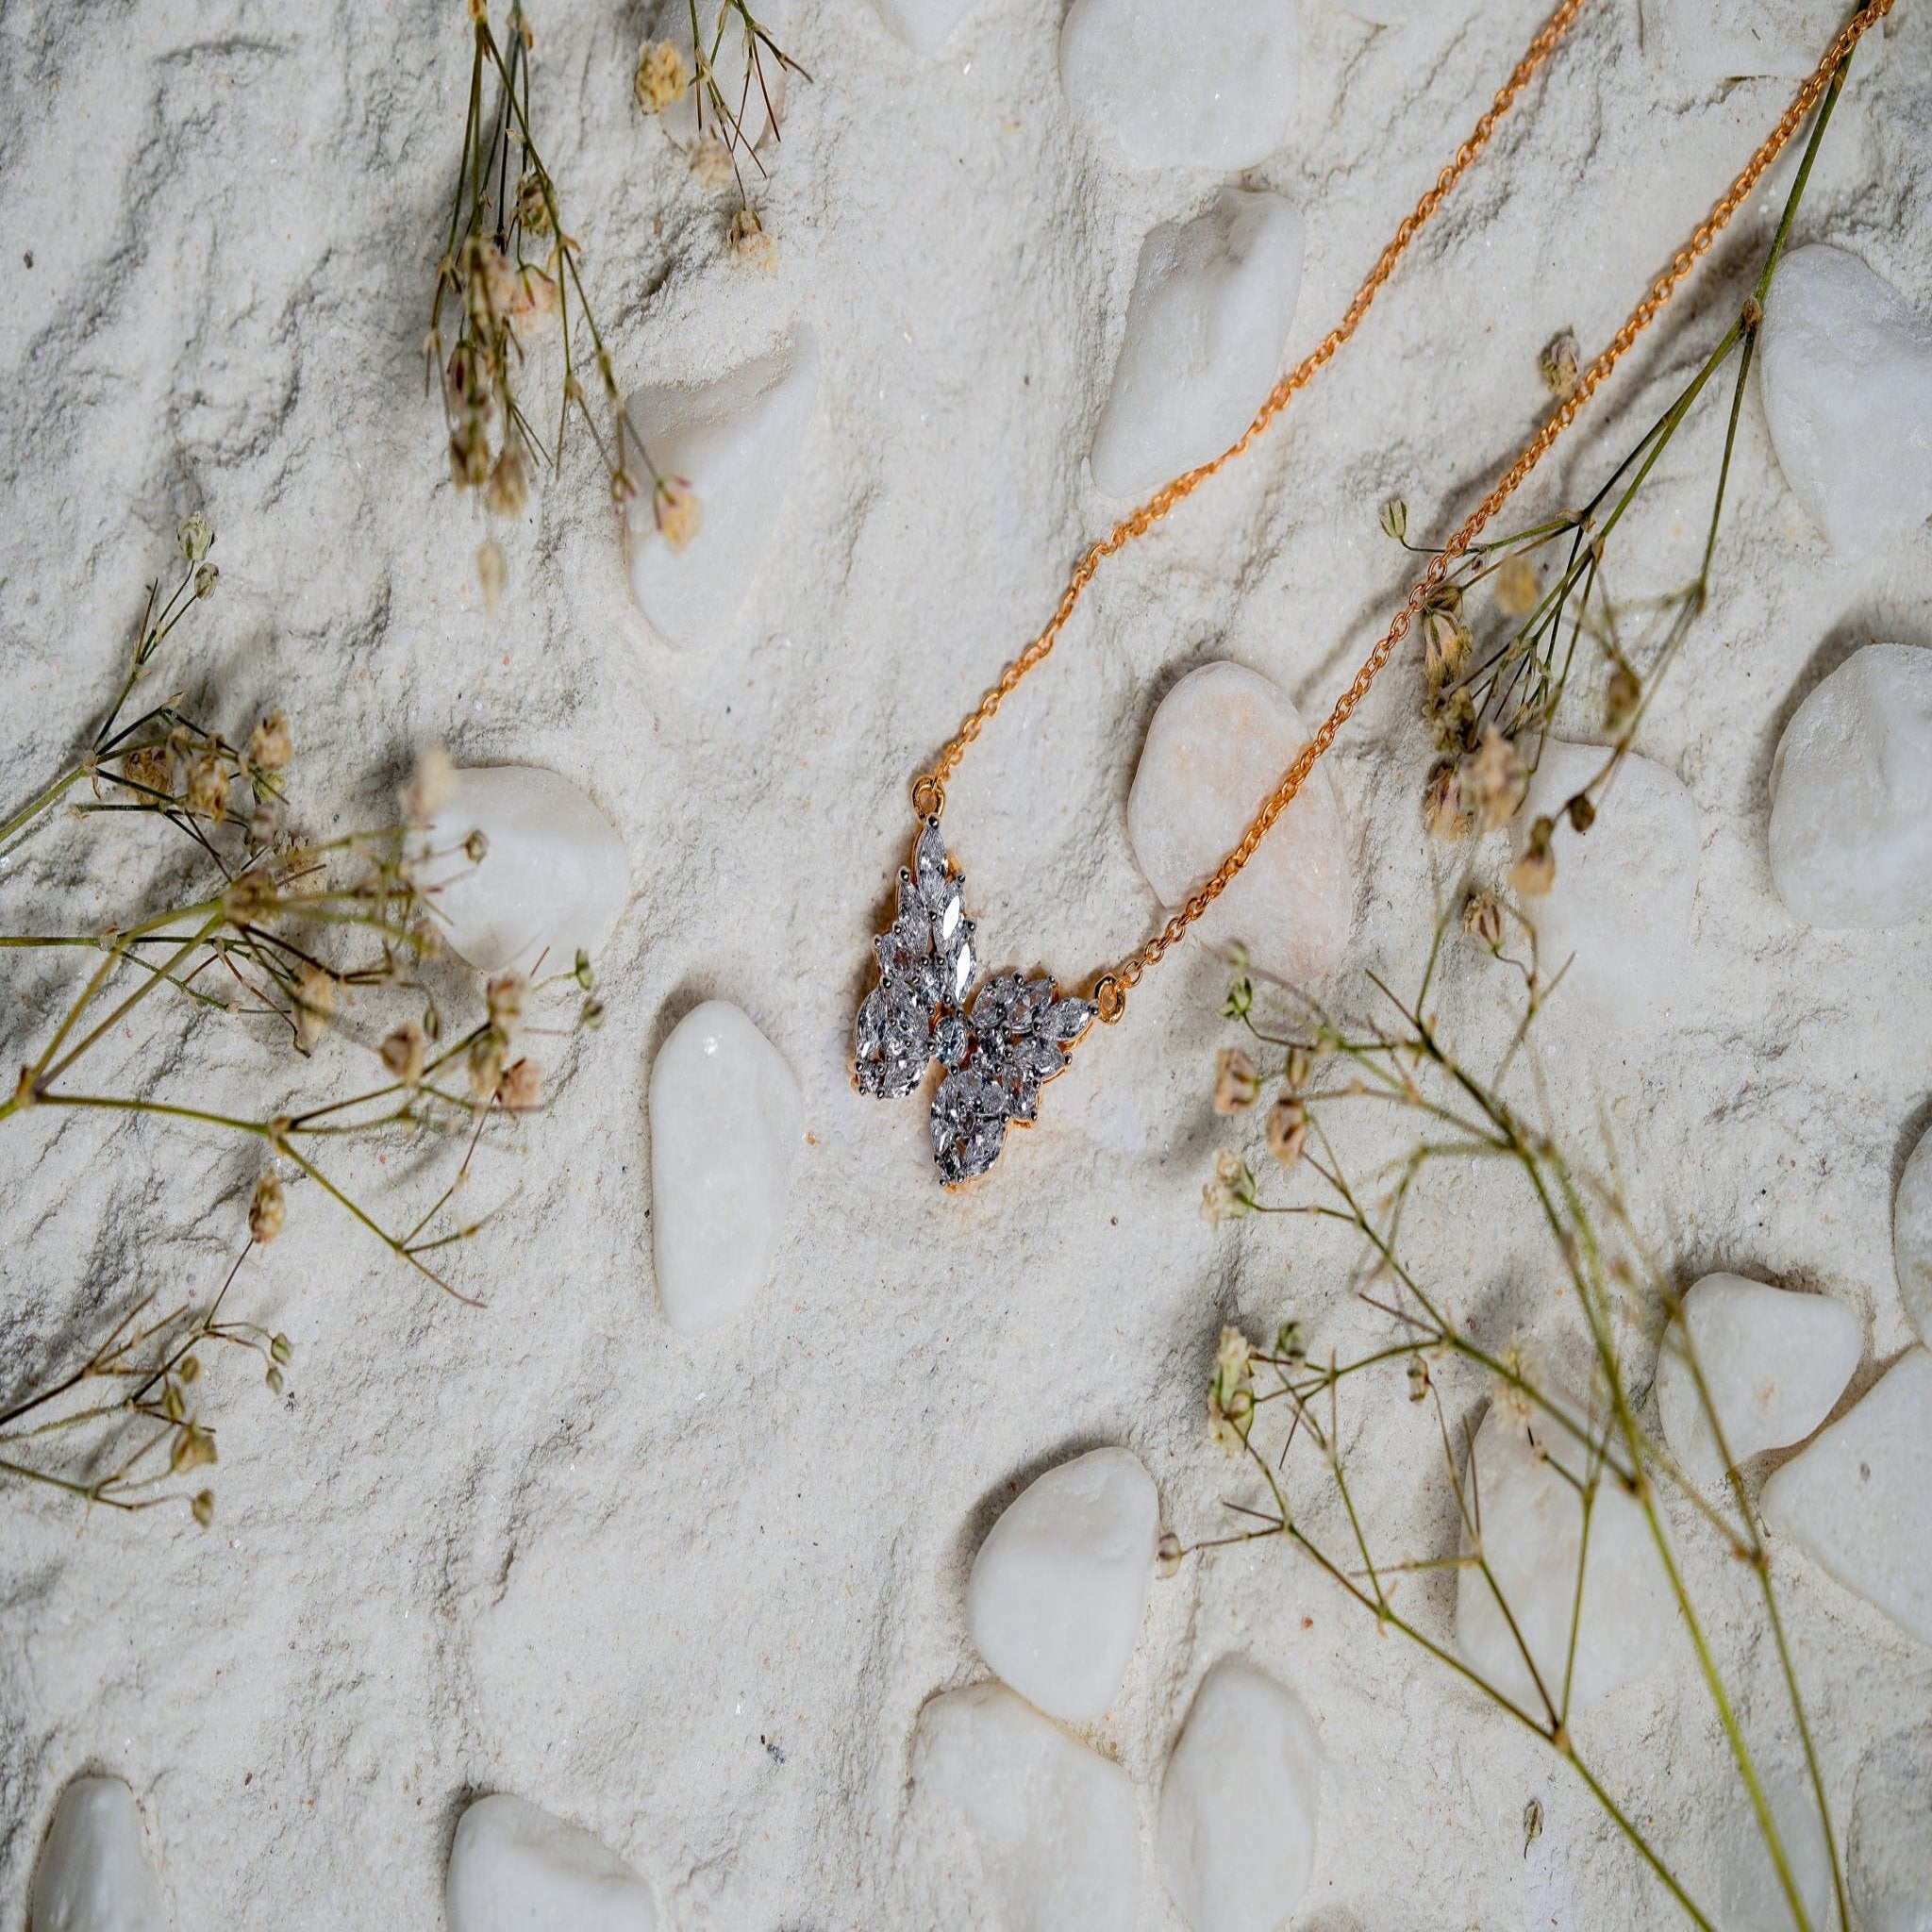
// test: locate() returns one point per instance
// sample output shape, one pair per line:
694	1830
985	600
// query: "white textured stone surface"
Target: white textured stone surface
1911	1237
572	1541
1773	1363
1889	1852
1143	74
553	879
1532	1531
1705	41
515	1867
1747	1896
1210	310
1851	793
726	1124
1055	1599
1236	1840
93	1874
1617	920
1216	747
735	442
1845	370
1859	1499
925	25
1054	1823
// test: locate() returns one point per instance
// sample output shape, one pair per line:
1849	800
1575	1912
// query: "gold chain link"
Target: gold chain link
928	790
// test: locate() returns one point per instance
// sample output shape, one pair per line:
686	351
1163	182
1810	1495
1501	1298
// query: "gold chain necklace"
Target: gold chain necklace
999	1046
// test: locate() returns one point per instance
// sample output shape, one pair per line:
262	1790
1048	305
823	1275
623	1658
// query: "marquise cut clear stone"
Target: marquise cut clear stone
870	1033
929	865
951	1040
1066	1020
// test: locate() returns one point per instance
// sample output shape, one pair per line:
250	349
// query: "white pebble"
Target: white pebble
1216	748
735	443
1748	1895
1056	1591
726	1123
1890	1854
1235	1839
1711	41
552	880
1851	793
925	25
1143	74
1055	1823
1202	347
1911	1237
1845	370
1859	1499
514	1868
1532	1530
93	1874
1618	917
1773	1363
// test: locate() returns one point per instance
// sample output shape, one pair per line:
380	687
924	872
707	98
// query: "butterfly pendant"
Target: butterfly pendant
997	1048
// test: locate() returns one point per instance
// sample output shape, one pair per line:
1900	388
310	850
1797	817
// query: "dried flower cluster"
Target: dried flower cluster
314	939
1443	1113
737	93
1519	617
508	275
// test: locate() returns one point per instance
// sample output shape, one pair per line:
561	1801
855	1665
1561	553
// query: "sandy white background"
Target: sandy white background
691	1595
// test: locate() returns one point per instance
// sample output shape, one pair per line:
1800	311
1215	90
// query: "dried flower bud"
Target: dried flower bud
207	788
204	1508
1287	1129
520	1086
315	1003
504	995
174	1404
271	744
1446	643
1622	695
675	508
662	77
1493	780
1169	1554
205	578
1451	714
188	1368
1395	520
1580	812
1239	1002
581	972
1231	1390
268	1210
1230	1194
195	1448
1418	1379
195	536
405	1053
749	243
1517	590
1288	1343
1535	872
149	770
1237	1084
1560	366
486	1065
1297	1068
532	210
1442	812
508	489
1482	918
281	1348
274	1379
432	786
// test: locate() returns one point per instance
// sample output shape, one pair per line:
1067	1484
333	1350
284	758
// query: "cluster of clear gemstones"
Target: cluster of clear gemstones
997	1048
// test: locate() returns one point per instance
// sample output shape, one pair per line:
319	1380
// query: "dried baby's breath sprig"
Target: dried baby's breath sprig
1237	1084
1443	1112
509	273
308	938
731	80
1512	685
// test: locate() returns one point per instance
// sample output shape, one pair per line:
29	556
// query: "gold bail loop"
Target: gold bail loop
929	796
1110	996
